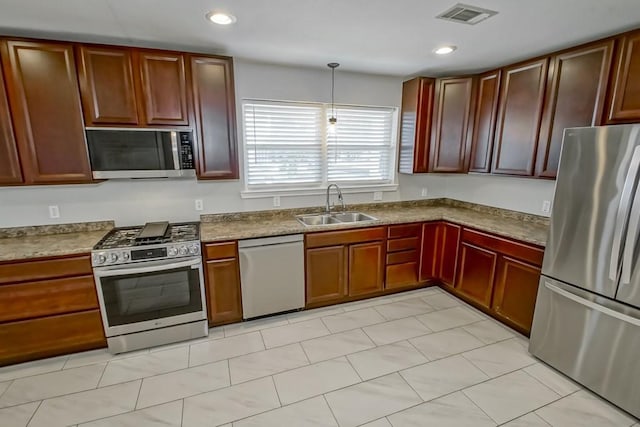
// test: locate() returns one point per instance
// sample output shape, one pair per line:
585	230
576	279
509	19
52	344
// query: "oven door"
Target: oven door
150	295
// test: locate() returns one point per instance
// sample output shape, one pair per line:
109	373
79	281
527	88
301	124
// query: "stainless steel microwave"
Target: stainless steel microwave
140	153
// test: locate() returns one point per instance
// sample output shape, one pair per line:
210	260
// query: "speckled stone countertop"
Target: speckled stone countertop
18	243
511	224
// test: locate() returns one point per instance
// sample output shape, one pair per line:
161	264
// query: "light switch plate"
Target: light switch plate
546	206
199	205
54	211
377	195
276	201
424	192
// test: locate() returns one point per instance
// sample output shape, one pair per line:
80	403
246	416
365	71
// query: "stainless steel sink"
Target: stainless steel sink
336	218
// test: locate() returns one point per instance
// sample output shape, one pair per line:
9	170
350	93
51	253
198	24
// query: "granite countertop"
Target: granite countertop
527	228
19	243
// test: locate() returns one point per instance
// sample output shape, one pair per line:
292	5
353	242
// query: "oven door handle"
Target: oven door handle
193	263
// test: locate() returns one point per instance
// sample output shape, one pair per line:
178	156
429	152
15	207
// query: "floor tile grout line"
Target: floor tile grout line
324	396
182	412
539	381
273	381
34	412
8	386
533	411
102	375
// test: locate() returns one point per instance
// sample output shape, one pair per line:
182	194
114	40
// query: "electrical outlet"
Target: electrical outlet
424	192
199	205
54	211
546	206
377	195
276	201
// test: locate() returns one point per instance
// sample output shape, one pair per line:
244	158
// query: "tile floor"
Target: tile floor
420	358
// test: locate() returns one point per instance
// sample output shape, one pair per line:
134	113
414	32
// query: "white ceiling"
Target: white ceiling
377	36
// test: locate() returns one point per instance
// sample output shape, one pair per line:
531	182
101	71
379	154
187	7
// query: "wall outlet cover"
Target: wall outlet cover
424	192
54	211
546	206
377	195
276	201
199	205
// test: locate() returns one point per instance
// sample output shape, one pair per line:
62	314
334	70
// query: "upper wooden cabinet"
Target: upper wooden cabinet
44	99
10	172
132	87
415	128
449	140
484	122
519	114
575	98
625	100
108	89
215	112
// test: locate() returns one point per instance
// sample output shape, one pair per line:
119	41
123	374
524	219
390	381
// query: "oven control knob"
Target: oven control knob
125	256
173	251
101	259
183	250
113	257
193	249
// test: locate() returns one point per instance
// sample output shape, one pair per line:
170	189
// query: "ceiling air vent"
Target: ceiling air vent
465	14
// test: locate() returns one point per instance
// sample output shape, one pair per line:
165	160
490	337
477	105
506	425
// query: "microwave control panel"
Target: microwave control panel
186	151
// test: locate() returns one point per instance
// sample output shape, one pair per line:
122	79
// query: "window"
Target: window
288	145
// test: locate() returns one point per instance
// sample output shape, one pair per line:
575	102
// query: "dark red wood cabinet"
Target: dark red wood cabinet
575	97
447	254
215	116
625	99
44	100
519	114
10	171
415	125
484	122
450	142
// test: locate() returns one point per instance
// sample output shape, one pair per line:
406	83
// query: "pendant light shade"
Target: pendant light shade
333	119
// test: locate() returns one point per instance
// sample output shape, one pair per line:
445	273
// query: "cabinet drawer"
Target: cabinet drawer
331	238
521	251
402	244
48	297
405	230
401	275
220	250
402	257
45	269
51	336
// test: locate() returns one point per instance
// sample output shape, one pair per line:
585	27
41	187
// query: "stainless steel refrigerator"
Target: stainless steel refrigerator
587	316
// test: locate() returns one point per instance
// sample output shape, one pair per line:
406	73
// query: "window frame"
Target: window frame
305	189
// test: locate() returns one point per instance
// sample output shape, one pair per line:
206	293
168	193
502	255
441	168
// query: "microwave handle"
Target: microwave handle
177	163
193	263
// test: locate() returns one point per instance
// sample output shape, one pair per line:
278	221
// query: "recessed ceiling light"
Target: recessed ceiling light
444	50
221	18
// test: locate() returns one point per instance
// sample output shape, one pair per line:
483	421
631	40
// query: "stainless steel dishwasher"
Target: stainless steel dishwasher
272	275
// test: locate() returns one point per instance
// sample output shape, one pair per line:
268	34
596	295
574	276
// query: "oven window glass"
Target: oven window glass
116	150
149	296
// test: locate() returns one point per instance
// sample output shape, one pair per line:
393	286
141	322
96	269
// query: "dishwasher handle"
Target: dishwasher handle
268	241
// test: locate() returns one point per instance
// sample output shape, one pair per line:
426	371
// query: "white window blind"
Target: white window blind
290	145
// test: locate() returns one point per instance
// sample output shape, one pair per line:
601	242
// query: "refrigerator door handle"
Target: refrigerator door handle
632	239
592	305
623	209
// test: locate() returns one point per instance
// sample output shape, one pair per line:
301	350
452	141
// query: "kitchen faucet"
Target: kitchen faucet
327	207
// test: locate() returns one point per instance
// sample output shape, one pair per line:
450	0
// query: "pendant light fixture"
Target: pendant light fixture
333	119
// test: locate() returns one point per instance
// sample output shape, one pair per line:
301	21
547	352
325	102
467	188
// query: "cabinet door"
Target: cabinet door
415	128
108	89
45	101
515	292
476	273
224	298
625	104
449	238
325	273
10	172
428	254
484	122
366	268
575	98
213	98
519	115
449	141
164	91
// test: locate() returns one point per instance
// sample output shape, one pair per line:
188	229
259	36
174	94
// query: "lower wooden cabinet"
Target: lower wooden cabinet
476	272
366	268
403	256
222	277
447	254
516	289
429	267
325	274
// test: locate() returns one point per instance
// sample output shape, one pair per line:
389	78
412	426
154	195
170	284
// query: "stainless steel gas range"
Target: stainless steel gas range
150	285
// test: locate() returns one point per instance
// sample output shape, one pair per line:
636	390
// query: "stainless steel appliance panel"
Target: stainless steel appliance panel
594	190
591	339
629	287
